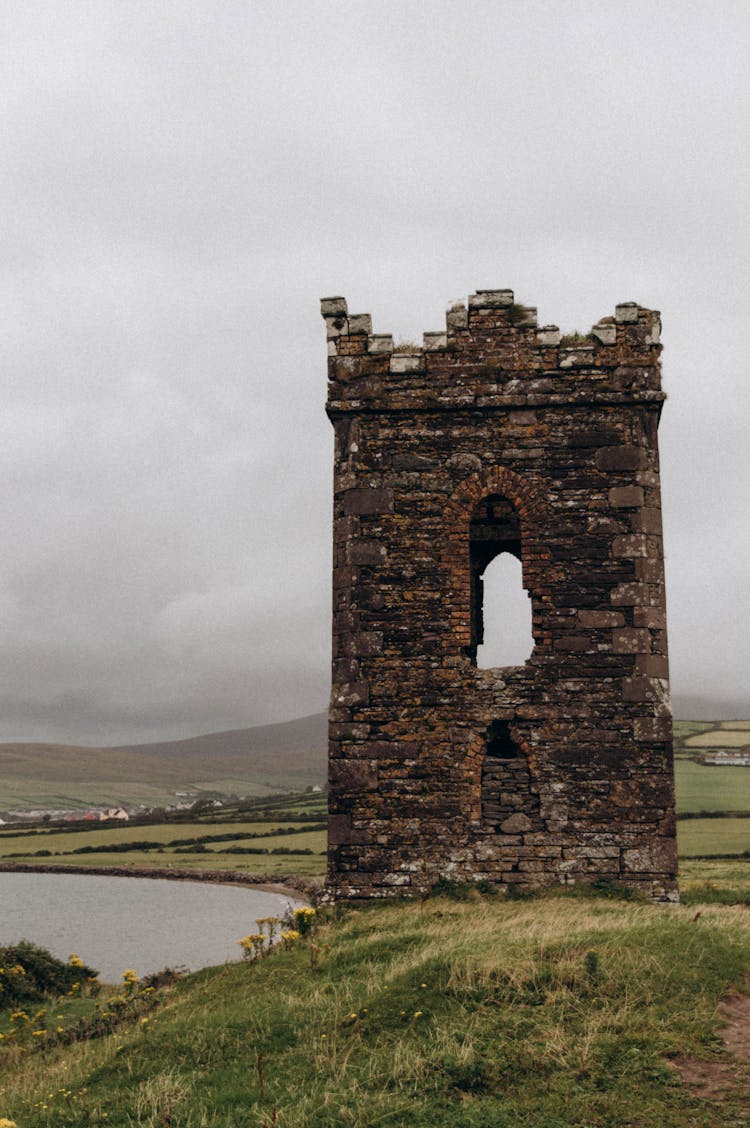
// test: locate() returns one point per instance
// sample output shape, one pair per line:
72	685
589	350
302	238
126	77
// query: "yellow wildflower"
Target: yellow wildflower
304	918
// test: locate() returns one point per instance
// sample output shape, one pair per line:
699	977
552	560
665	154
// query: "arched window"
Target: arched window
500	608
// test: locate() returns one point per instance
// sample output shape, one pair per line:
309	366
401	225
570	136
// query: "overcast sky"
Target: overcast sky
179	184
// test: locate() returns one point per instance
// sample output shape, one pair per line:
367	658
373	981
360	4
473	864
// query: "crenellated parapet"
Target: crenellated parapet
492	350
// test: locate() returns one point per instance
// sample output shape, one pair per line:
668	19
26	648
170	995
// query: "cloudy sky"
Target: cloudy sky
181	181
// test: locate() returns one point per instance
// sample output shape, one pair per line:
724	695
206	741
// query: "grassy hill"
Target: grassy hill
559	1012
252	761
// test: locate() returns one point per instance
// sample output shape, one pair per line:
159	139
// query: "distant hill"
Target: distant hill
251	761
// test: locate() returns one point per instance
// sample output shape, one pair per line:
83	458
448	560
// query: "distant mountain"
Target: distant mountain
272	752
251	761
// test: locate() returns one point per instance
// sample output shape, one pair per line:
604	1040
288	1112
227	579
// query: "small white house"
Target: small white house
114	813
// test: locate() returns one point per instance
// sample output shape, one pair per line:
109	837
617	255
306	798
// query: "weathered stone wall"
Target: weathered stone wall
498	436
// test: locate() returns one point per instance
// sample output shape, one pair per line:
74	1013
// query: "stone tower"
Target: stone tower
498	436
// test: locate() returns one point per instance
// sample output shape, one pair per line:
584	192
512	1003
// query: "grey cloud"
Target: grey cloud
180	183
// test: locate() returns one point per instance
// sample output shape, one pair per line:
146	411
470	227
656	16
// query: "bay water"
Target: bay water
114	923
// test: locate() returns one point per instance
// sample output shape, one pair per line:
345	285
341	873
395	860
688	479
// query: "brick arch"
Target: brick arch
532	511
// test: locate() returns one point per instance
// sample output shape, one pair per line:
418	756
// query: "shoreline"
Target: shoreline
296	885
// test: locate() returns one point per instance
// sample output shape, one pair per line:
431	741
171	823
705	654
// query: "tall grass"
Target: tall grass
548	1013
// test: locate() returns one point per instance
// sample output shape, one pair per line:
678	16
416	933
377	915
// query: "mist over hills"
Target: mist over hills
696	707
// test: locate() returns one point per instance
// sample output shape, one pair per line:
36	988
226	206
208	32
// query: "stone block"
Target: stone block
457	319
621	458
647	729
367	552
335	327
626	312
653	666
333	307
599	619
605	332
407	362
647	521
548	336
360	323
576	356
626	497
631	640
368	500
341	832
491	299
630	545
658	856
353	775
379	343
516	824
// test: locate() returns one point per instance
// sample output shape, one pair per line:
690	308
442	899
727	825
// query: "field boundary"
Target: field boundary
298	884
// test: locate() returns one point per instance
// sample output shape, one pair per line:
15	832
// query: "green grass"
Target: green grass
725	881
718	738
696	837
683	729
64	840
310	865
702	788
553	1013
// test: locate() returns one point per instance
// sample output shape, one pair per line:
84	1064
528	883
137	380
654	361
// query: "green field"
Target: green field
272	841
272	865
719	738
707	788
726	880
698	837
208	856
66	840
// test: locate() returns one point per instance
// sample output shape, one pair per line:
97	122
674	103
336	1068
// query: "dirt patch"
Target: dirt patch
728	1079
735	1033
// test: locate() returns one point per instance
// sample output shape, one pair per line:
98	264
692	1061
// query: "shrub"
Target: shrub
30	973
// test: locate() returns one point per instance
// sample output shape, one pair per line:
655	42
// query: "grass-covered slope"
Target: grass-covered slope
550	1013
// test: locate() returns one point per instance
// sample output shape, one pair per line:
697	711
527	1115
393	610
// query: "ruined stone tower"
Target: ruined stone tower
498	436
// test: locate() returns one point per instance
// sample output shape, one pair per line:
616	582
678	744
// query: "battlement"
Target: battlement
492	350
